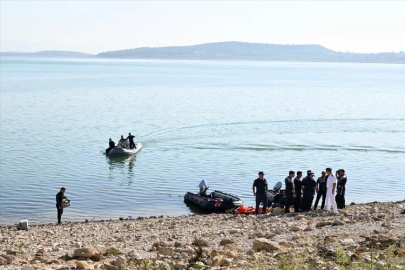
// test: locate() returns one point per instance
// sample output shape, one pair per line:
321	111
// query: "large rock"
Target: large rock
167	251
217	261
226	241
82	264
323	224
337	222
89	252
201	242
3	261
265	244
328	240
121	262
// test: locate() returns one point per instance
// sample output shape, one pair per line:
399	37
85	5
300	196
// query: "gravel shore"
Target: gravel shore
364	236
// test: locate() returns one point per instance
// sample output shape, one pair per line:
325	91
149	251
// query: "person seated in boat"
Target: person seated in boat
111	144
122	143
131	141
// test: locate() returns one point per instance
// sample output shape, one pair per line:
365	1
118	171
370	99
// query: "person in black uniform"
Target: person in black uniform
131	141
321	190
59	197
297	185
261	192
309	188
341	189
289	191
111	143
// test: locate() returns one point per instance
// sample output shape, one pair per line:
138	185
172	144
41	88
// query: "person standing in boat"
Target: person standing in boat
131	141
260	192
298	191
321	190
111	144
59	200
341	189
289	191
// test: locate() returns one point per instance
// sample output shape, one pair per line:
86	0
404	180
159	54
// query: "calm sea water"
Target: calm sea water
219	121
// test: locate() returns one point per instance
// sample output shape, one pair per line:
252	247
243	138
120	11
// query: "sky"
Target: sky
99	26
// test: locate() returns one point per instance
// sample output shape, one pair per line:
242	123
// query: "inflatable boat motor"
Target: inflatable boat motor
203	188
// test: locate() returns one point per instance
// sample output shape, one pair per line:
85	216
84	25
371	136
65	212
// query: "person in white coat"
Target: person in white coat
331	191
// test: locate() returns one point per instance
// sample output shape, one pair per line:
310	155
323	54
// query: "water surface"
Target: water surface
219	121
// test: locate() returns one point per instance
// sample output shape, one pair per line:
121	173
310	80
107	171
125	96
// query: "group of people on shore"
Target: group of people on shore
329	187
122	143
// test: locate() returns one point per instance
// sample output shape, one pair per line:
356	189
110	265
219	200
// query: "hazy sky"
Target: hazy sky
97	26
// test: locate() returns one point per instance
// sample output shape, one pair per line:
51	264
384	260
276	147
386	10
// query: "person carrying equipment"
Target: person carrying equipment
261	192
131	141
341	189
320	190
60	197
289	191
112	146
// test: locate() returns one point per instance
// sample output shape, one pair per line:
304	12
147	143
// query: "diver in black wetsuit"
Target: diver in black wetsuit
59	197
131	141
111	144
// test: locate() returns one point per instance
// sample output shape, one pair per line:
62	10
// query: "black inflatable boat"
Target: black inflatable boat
216	201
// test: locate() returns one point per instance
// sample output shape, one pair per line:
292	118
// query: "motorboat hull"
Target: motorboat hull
124	151
217	201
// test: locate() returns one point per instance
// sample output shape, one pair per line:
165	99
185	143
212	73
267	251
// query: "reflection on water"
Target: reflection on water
122	165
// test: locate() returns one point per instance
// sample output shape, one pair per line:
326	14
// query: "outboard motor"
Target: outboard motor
277	187
203	188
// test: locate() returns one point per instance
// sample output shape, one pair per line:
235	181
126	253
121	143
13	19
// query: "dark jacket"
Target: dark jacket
112	144
59	197
297	184
321	184
309	184
289	186
341	185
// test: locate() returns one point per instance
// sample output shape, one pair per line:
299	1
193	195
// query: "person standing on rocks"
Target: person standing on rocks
309	187
289	191
321	190
260	192
59	198
298	190
341	189
331	191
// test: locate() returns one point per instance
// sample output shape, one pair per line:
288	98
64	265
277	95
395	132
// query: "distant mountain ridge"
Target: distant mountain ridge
232	50
69	54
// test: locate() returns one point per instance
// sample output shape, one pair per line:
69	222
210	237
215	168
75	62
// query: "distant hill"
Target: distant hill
252	51
48	54
232	50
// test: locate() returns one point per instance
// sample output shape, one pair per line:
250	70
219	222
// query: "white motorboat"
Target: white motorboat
125	151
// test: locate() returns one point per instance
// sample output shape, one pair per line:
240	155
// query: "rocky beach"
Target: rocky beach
363	236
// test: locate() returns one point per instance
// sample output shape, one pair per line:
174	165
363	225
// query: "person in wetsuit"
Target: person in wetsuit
321	190
309	187
59	197
261	192
297	195
289	191
111	144
131	141
341	189
122	142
